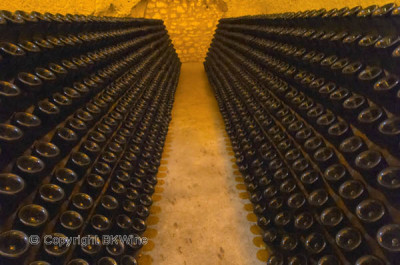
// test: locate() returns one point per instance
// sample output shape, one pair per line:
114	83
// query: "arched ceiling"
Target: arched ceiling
190	23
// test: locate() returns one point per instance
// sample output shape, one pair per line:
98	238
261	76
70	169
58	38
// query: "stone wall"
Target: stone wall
190	24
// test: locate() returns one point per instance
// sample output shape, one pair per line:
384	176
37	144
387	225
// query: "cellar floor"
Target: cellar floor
201	212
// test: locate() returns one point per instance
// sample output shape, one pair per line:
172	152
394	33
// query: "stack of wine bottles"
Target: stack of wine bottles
311	103
85	104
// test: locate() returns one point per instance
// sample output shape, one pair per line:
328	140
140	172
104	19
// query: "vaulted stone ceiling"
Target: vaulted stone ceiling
190	23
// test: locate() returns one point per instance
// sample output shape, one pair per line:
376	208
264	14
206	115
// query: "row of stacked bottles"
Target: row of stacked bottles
85	105
311	103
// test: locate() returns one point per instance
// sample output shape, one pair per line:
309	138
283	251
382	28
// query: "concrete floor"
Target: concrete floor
201	213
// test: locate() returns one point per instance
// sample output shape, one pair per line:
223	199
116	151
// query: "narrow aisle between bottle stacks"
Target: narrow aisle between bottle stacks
201	215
